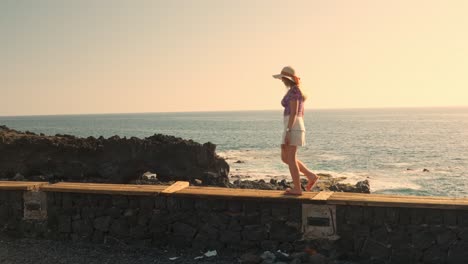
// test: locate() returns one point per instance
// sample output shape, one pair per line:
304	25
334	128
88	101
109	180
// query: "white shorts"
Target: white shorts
297	134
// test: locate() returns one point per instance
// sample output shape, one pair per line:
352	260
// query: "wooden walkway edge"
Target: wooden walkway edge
182	189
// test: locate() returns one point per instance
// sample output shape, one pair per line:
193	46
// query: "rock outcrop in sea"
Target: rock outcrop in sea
28	156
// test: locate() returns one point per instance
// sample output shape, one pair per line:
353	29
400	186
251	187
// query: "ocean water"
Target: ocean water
389	147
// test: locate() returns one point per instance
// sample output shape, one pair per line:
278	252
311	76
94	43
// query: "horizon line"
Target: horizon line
225	111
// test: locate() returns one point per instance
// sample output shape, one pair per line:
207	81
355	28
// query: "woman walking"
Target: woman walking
294	130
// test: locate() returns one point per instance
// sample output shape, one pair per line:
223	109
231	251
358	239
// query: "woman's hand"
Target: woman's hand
286	138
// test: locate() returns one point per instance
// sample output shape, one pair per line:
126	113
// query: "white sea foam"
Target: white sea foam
329	157
380	183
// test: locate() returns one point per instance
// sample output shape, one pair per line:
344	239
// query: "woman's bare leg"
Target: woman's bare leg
302	167
308	173
293	169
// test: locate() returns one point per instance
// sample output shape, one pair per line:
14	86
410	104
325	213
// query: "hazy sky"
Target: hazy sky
109	56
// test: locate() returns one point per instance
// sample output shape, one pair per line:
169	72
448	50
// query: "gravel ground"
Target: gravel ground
26	251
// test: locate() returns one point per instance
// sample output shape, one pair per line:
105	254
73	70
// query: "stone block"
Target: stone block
434	217
245	245
52	217
98	237
423	240
340	214
128	212
82	227
146	204
135	201
286	247
392	215
139	232
354	215
202	205
449	217
251	208
180	242
102	223
254	233
113	212
295	213
64	224
445	238
218	219
417	216
183	230
280	212
5	213
375	249
283	233
230	237
120	201
269	245
160	202
380	214
173	204
405	255
67	201
458	253
234	225
252	219
88	212
217	205
380	235
234	206
434	255
104	201
404	216
119	228
462	218
250	258
143	218
463	234
399	237
266	219
210	231
132	220
187	204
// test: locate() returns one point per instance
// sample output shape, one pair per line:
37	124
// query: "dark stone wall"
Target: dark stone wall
166	221
11	211
403	235
367	234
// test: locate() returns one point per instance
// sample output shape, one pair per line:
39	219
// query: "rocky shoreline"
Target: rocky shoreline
158	159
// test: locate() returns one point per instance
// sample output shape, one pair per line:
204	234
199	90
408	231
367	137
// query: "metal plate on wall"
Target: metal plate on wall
319	221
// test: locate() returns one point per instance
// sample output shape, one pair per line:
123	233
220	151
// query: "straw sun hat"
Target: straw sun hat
289	73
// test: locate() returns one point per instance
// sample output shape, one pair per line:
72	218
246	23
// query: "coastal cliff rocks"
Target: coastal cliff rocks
326	183
112	160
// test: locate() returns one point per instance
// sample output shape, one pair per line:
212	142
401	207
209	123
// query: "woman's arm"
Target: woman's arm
293	104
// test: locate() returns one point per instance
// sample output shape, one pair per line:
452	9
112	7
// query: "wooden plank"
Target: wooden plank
20	185
97	188
177	186
398	201
231	193
377	197
181	189
322	196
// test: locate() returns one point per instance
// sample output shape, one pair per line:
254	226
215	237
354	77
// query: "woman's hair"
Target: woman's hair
291	84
